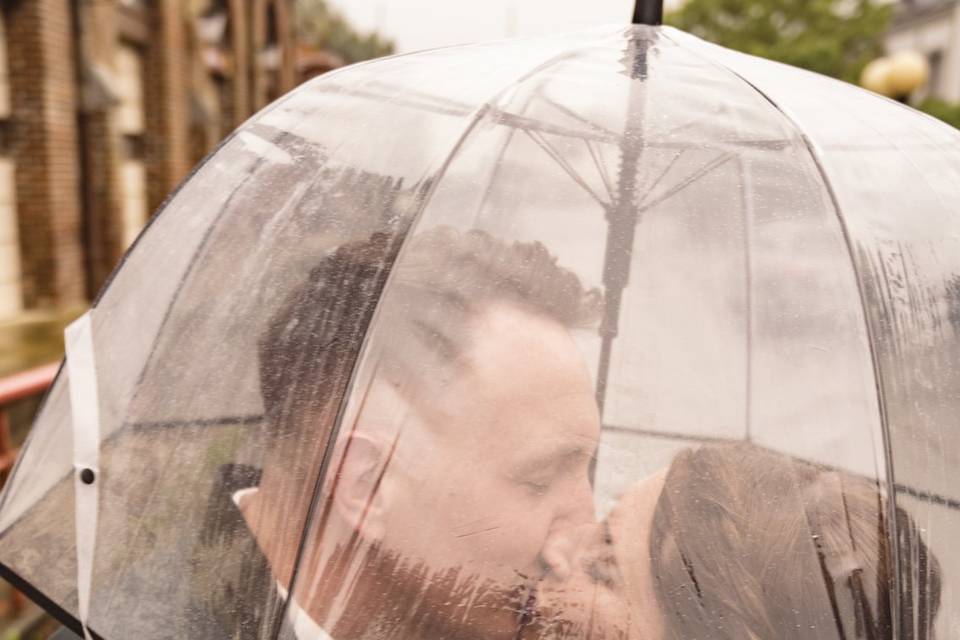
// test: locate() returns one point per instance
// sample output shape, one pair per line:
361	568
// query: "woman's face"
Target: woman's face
609	593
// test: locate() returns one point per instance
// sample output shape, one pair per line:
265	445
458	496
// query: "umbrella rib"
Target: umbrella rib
714	164
439	101
601	168
550	151
498	116
664	173
521	122
495	172
416	103
567	111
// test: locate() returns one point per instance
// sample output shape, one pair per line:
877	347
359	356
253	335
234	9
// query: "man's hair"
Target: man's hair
749	544
442	281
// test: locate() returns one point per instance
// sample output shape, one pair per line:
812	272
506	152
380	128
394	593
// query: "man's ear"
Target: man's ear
357	491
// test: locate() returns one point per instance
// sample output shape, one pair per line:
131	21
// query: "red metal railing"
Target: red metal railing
14	388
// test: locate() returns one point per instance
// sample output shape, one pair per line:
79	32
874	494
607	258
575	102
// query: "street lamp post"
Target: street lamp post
896	76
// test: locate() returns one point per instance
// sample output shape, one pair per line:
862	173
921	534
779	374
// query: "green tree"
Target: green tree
946	111
322	27
833	37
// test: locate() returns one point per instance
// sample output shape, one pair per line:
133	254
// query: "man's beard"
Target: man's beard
396	597
573	621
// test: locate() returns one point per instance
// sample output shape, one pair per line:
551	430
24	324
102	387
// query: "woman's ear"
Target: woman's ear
357	491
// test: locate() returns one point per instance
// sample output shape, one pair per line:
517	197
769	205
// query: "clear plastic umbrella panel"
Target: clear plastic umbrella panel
611	335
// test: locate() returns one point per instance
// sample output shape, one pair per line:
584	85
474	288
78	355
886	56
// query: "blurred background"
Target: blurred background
106	105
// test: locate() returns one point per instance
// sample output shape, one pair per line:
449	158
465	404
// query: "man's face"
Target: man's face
487	486
610	592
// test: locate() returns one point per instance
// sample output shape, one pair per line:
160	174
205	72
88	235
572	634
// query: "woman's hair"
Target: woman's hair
749	544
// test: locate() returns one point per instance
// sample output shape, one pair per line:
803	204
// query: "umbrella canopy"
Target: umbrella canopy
615	334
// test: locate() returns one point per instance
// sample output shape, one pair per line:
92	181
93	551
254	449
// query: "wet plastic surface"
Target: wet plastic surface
612	335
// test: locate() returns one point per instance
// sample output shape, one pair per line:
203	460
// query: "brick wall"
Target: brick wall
11	298
4	76
239	104
43	113
286	35
100	142
167	149
91	156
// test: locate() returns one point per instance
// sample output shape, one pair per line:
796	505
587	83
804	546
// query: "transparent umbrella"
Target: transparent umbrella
616	334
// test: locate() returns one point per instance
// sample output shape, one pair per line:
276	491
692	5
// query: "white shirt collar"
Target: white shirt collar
304	627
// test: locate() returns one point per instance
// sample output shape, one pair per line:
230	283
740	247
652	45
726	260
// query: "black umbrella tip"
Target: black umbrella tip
649	12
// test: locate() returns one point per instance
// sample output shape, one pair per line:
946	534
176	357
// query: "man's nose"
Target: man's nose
572	526
562	548
567	536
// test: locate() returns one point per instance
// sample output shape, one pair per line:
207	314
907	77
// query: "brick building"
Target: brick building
105	105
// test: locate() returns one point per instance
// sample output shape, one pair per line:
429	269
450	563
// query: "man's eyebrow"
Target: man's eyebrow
563	454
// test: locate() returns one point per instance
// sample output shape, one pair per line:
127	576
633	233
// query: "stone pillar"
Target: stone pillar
166	94
11	298
43	114
238	107
259	37
288	44
102	145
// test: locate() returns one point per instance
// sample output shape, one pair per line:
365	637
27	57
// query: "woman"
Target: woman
738	542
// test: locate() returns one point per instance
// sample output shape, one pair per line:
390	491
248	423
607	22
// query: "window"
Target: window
130	121
10	296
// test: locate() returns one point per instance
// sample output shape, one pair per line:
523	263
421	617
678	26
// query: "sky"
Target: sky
423	24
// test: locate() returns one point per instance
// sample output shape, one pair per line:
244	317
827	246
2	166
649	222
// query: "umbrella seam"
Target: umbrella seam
878	377
478	114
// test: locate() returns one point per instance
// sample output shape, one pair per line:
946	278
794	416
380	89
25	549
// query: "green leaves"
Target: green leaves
833	37
322	27
946	111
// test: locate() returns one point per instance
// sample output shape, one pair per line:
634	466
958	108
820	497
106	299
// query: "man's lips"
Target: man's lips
528	614
525	599
529	611
535	622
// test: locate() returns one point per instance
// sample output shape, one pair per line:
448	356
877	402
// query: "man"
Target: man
459	479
